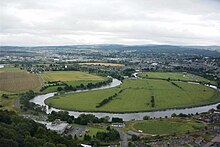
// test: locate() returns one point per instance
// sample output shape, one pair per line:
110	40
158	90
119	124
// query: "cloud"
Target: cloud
55	22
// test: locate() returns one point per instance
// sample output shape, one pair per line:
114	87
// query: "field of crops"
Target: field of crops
14	81
69	76
136	95
166	126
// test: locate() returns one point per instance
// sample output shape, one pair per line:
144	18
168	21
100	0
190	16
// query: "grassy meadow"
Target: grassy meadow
164	126
135	95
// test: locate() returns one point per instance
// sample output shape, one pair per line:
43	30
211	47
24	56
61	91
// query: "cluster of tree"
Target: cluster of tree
111	135
152	101
5	96
82	119
51	84
116	75
26	104
83	87
181	115
117	120
85	119
176	85
62	115
105	101
128	72
16	131
135	138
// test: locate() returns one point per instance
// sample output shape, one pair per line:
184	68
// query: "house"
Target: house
118	125
200	141
216	141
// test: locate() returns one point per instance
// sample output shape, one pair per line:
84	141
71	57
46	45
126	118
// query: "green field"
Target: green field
69	76
164	126
174	76
135	95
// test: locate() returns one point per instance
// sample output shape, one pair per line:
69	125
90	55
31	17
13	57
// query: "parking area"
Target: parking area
77	130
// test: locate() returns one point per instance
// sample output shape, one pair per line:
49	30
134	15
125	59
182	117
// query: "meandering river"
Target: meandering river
126	116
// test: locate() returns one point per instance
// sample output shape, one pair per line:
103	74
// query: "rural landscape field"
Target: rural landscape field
14	80
136	95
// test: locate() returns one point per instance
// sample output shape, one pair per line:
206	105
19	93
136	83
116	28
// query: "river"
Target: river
126	116
2	65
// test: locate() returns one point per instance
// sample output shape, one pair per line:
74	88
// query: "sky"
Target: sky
131	22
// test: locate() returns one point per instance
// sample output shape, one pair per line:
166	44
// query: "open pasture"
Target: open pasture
174	76
136	95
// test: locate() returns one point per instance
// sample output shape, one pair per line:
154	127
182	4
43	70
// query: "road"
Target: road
17	103
124	138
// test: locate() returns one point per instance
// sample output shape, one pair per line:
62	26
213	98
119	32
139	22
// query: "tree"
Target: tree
218	107
87	137
75	137
59	89
146	117
173	115
134	138
152	101
117	120
5	96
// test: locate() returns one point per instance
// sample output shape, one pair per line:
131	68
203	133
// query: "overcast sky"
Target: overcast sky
68	22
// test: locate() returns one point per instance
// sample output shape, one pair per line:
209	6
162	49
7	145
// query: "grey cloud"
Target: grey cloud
55	22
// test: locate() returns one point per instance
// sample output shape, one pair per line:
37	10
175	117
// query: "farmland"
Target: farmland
165	126
136	95
73	78
14	80
69	76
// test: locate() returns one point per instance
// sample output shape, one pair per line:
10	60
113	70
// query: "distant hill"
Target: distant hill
194	50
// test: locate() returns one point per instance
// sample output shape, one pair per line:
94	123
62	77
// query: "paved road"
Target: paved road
17	103
124	138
